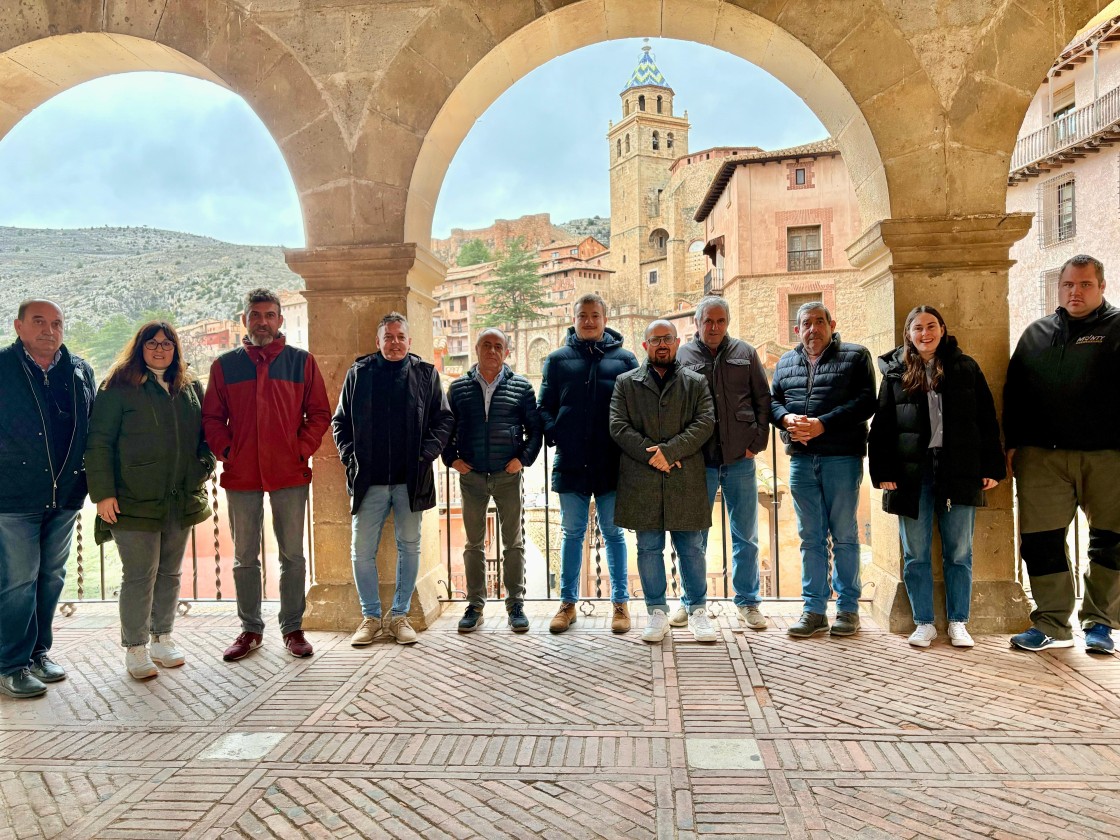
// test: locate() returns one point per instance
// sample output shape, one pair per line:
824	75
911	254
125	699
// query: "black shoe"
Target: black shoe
517	619
22	684
846	624
47	670
808	625
471	620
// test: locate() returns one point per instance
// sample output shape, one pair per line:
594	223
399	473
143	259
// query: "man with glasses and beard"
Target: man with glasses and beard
264	415
47	397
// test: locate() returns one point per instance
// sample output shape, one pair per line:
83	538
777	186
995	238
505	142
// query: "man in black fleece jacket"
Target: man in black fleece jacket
1063	443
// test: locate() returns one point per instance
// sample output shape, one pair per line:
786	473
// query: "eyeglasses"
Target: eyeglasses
656	340
159	345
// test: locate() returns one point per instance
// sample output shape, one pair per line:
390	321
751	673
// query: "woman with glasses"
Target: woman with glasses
147	464
934	449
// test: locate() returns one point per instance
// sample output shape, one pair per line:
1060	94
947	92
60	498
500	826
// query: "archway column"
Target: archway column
349	289
960	266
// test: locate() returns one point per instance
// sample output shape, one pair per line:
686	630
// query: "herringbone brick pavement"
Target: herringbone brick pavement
583	735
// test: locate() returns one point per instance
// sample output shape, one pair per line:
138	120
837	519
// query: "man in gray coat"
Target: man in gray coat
661	416
742	402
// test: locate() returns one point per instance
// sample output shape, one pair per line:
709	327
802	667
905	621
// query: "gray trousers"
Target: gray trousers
151	568
1051	484
478	488
246	522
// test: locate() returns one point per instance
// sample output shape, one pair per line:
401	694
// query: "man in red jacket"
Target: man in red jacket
264	415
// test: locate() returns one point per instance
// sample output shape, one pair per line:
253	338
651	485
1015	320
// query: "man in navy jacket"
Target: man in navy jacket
497	434
47	394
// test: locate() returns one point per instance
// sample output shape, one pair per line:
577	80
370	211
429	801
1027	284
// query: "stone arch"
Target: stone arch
503	50
538	349
241	56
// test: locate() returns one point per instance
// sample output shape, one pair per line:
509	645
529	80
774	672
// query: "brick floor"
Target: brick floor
582	735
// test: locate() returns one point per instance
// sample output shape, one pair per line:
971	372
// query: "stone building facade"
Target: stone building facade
1066	170
368	101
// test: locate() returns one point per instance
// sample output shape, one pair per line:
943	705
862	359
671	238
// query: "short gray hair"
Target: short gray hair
24	304
484	330
812	306
392	318
707	302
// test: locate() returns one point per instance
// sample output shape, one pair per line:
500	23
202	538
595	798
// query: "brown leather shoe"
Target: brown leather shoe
241	647
620	621
563	619
296	644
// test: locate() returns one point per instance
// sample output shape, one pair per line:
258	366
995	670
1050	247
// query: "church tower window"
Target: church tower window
627	144
641	102
669	140
656	141
659	104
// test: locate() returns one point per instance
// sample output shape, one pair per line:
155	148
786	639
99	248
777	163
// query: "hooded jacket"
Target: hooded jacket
511	430
577	382
429	426
32	479
1061	383
901	431
841	394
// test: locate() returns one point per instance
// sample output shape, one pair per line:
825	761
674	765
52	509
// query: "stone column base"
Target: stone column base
998	606
335	606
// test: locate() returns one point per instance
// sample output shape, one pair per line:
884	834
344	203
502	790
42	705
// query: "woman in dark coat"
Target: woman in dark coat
147	463
934	449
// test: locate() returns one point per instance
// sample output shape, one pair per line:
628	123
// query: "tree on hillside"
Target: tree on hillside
473	252
101	346
515	293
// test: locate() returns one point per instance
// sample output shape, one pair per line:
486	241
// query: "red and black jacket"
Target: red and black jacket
265	414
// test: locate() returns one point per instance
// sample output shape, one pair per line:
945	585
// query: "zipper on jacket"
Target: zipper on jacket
46	433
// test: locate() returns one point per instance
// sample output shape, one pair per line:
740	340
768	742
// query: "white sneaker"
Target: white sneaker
139	663
753	618
679	618
166	652
958	635
399	628
701	626
923	634
656	627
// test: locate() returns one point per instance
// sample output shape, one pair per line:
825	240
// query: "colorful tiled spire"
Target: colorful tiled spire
646	73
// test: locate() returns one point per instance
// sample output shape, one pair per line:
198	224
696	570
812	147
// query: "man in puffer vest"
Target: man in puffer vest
498	433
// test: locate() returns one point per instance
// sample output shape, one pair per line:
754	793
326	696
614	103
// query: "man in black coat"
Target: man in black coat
577	382
391	424
47	397
497	434
1063	441
823	395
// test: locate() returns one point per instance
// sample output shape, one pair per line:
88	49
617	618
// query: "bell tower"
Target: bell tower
642	145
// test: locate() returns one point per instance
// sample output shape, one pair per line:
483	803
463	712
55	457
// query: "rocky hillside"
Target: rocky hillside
99	273
596	226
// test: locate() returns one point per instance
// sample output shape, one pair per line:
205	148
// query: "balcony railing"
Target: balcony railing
803	260
1095	124
713	282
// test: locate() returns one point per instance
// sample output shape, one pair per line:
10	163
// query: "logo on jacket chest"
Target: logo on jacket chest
1090	339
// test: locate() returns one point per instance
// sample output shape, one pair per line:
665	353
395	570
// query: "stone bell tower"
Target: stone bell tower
642	145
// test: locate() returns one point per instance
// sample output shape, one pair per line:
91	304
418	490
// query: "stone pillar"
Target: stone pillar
349	289
959	266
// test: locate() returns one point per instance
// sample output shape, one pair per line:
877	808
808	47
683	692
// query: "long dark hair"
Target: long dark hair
129	370
914	377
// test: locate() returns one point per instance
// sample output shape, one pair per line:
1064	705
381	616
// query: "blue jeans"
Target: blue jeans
825	490
574	513
690	561
366	526
955	525
740	493
34	548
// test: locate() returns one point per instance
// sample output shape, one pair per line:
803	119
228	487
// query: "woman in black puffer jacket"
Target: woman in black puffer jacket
934	449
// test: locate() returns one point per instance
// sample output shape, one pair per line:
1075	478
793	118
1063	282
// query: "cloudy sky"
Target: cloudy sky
173	152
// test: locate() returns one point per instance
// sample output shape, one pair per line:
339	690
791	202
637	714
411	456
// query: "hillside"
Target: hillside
98	273
596	226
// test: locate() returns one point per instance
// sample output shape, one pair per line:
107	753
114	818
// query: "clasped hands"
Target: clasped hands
659	462
801	428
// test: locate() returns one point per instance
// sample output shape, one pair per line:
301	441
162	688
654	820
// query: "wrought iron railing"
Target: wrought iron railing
1068	130
713	282
809	260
